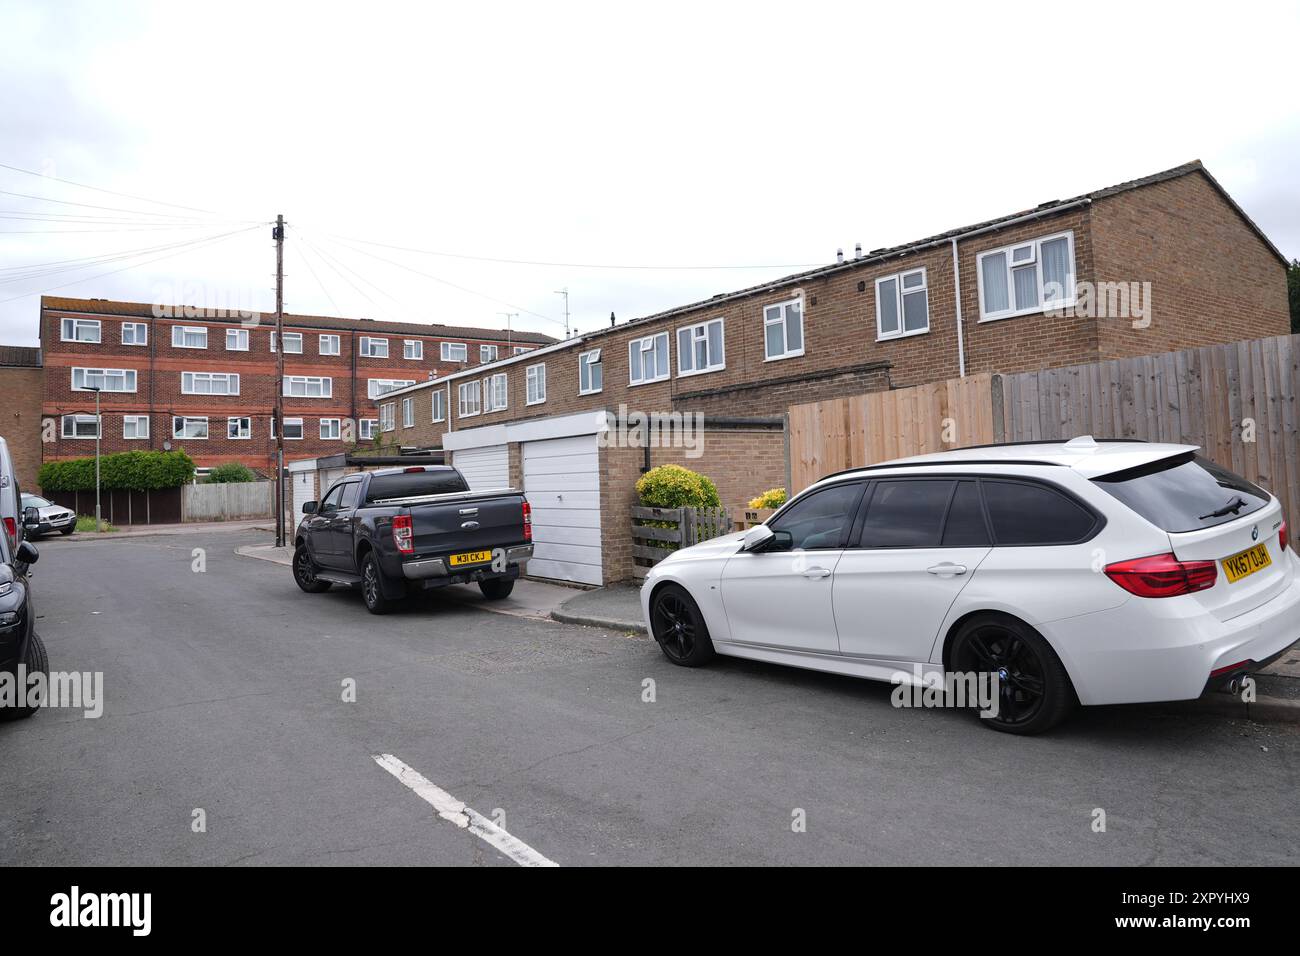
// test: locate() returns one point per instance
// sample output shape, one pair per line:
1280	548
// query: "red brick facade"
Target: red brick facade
20	418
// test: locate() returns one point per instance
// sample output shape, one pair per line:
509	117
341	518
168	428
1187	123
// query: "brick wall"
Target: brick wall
20	420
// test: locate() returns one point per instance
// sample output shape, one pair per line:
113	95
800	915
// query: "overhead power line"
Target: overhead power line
111	192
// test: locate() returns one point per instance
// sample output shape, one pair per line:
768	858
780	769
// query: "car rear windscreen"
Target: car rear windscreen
1184	493
412	484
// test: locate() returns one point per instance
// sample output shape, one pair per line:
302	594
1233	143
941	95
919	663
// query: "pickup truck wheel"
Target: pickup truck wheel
372	588
37	662
304	572
496	589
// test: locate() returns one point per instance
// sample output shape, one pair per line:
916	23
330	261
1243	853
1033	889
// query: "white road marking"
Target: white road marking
467	818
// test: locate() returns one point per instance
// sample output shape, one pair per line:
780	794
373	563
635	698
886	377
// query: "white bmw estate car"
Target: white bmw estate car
1092	572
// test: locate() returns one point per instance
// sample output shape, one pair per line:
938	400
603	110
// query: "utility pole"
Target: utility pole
565	292
99	431
509	316
278	233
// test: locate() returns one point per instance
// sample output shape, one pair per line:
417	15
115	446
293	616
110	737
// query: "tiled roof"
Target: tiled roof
19	356
146	310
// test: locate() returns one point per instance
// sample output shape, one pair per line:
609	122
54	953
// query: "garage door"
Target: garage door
484	468
562	482
304	490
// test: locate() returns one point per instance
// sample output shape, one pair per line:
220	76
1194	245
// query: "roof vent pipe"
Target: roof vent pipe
839	255
857	250
611	320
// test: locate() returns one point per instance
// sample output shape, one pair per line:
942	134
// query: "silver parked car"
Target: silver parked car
50	517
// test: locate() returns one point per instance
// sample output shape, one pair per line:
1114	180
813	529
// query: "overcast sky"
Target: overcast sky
694	134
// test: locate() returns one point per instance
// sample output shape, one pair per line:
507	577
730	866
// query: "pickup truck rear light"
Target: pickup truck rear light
1283	539
402	534
528	521
11	527
1163	575
413	470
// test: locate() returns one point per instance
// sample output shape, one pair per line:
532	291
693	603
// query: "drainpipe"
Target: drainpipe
956	284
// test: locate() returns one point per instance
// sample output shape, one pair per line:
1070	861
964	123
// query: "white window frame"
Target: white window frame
370	347
76	325
290	338
1036	257
448	348
136	420
184	423
326	386
899	291
699	332
128	378
438	405
180	331
408	412
783	319
367	428
640	347
239	337
468	409
329	344
413	350
388	417
586	360
373	390
488	353
535	384
242	428
331	429
289	423
520	349
76	420
188	380
139	333
496	392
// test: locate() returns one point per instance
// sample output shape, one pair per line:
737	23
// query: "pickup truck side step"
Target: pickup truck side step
339	577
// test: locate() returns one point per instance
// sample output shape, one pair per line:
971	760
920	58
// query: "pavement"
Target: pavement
147	530
245	722
617	606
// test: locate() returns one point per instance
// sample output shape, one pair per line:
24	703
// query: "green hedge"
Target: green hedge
125	471
672	486
232	472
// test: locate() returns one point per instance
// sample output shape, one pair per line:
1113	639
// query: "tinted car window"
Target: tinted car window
965	527
1024	513
1186	493
331	501
410	484
351	492
905	514
820	520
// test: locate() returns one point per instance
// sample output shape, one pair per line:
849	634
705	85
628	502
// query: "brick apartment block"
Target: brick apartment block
21	384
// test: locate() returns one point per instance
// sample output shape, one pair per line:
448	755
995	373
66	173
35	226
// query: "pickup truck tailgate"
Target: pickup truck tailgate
477	524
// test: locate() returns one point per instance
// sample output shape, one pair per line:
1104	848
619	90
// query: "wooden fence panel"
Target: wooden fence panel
228	501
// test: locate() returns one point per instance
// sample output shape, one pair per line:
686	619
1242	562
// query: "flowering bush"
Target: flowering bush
672	486
772	498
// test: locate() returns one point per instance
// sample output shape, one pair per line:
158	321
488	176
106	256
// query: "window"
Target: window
591	377
414	483
388	417
535	378
455	352
902	305
965	526
819	520
520	350
469	399
79	330
331	429
308	386
647	359
209	383
1027	277
699	348
412	349
378	386
329	345
783	329
905	514
292	428
1023	513
348	499
408	413
374	348
292	343
189	337
495	393
438	400
488	353
80	426
237	340
135	426
1184	493
104	379
239	428
183	427
368	428
135	333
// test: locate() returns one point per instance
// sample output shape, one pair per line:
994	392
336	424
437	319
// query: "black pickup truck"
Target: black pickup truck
403	529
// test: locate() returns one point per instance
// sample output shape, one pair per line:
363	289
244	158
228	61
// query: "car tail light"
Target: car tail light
1163	575
528	521
402	534
1282	538
11	527
413	470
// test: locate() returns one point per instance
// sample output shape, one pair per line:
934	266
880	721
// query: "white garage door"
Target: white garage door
484	468
562	482
304	490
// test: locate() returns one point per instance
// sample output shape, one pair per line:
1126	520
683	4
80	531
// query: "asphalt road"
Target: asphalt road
224	692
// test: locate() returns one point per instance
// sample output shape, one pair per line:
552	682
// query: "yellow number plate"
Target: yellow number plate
1247	562
473	557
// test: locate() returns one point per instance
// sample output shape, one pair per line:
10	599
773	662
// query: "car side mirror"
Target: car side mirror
26	553
309	508
31	517
757	538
